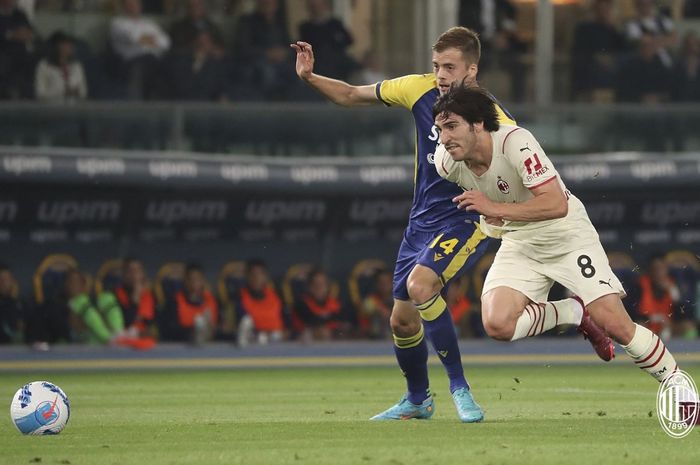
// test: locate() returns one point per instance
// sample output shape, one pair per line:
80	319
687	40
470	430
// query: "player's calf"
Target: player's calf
650	354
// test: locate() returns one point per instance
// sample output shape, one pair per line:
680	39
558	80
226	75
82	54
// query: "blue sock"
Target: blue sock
441	333
412	355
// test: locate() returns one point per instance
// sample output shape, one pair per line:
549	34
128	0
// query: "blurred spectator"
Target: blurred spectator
18	47
370	70
197	310
495	22
260	306
59	76
644	79
373	320
659	297
686	86
139	43
316	309
330	40
649	22
185	31
11	318
136	300
597	47
460	306
262	52
198	73
90	324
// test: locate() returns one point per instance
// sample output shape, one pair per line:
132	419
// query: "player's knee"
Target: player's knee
402	326
498	328
421	289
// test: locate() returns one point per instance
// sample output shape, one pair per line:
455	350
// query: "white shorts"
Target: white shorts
584	271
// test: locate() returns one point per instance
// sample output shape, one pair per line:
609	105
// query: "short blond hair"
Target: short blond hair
463	39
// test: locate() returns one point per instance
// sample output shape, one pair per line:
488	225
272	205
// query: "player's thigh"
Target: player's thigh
454	250
514	270
412	245
586	272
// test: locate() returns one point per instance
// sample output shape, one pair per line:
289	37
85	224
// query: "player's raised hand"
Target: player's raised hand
476	201
305	59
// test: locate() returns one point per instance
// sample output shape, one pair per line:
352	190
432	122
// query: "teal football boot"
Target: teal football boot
406	410
467	409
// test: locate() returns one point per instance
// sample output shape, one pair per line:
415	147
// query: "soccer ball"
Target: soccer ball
40	408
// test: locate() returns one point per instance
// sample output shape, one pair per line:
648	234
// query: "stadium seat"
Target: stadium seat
230	281
108	276
50	275
168	281
360	281
360	285
684	266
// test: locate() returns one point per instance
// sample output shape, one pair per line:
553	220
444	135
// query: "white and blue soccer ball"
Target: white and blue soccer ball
40	408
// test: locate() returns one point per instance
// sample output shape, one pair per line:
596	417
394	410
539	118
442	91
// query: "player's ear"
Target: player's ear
472	71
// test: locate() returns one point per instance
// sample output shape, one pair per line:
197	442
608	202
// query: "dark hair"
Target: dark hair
463	39
658	256
315	271
54	40
129	260
254	263
192	267
474	104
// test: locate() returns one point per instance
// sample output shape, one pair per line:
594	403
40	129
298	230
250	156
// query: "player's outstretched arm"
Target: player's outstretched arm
549	202
336	91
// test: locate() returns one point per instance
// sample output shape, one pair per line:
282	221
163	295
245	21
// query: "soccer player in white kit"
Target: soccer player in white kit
545	231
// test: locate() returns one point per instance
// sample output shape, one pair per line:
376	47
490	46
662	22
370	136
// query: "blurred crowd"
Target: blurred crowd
642	58
120	305
189	60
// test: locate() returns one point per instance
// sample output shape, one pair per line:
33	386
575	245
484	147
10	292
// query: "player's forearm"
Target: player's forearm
540	208
336	91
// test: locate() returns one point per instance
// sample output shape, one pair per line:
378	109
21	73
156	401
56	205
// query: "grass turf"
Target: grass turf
534	414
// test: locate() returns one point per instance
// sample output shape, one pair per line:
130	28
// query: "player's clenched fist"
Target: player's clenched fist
305	59
478	202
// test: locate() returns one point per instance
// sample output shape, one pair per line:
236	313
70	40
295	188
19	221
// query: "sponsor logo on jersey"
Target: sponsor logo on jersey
431	158
502	185
438	257
443	353
677	405
600	281
526	148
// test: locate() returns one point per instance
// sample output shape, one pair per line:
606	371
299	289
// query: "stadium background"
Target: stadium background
241	161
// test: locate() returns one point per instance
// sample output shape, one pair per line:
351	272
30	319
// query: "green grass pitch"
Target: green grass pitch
561	414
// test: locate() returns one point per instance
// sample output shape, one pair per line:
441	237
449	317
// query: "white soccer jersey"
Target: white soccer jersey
519	164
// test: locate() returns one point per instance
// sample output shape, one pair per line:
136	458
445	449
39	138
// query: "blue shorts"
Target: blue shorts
449	252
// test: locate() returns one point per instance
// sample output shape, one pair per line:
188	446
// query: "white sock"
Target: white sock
650	354
538	318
